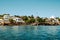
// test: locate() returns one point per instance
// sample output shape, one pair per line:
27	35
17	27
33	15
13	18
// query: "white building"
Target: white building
6	18
54	19
18	19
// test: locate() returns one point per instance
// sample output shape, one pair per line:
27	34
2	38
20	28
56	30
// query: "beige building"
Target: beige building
1	21
6	19
52	20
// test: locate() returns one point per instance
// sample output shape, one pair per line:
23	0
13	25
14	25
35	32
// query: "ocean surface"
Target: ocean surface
29	32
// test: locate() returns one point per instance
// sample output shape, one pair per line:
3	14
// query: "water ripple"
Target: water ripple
29	32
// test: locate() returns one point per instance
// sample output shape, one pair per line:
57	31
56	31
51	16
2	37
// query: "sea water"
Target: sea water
30	32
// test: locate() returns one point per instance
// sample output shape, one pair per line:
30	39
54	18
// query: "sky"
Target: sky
42	8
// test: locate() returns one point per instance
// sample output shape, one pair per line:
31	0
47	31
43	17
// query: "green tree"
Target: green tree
1	15
40	19
32	16
6	14
25	18
17	16
58	18
11	20
28	22
32	20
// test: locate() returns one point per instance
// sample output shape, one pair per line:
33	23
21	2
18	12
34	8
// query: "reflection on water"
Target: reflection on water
29	32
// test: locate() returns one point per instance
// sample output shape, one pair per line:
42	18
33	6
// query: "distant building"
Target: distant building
53	19
6	19
16	19
1	21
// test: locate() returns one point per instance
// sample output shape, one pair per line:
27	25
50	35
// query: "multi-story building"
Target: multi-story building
6	19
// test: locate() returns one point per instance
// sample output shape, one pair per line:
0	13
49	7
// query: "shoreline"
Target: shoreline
29	25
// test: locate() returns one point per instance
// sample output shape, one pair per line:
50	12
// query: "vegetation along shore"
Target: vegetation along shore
7	19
